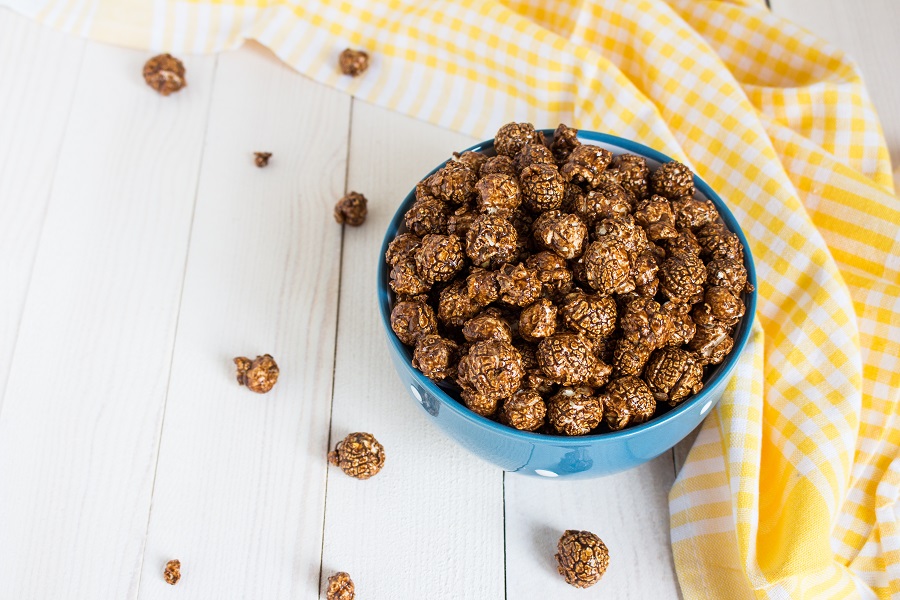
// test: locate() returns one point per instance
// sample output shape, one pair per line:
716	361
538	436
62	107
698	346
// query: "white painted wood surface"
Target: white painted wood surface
434	509
142	250
629	511
87	381
33	116
240	485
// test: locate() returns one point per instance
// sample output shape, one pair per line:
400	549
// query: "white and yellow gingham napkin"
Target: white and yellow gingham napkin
791	489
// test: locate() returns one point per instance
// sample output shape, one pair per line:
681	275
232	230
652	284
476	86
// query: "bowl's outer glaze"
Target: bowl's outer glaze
560	456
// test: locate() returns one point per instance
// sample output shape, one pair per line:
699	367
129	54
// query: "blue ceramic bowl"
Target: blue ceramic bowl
561	456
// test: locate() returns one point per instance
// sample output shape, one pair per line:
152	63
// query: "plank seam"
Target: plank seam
337	325
503	487
187	254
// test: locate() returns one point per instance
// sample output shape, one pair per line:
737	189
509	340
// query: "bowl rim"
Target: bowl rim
722	373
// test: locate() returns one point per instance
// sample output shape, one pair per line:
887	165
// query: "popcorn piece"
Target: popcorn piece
358	455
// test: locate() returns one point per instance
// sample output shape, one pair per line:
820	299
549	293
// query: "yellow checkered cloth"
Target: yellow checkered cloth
791	489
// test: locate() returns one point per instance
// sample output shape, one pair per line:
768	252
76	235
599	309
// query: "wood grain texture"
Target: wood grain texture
867	31
240	490
41	68
430	525
87	383
630	513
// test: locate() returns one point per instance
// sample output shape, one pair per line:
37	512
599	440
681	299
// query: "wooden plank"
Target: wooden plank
42	67
867	31
430	525
240	490
87	383
630	513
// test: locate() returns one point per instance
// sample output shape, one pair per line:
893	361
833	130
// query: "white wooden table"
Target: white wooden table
142	250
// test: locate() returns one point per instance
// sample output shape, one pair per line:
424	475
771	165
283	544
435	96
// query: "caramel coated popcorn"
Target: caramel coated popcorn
455	306
693	213
644	269
535	378
523	222
607	266
406	281
728	273
557	288
672	180
512	137
473	160
491	370
565	139
543	187
561	233
498	194
439	258
453	183
340	587
165	74
426	215
489	325
712	343
499	164
351	209
259	374
172	572
553	272
673	374
655	215
627	401
683	326
358	455
719	304
590	314
600	375
261	159
538	320
574	411
412	320
482	286
402	248
625	229
574	195
630	357
491	241
531	154
608	200
519	285
585	164
683	243
567	358
681	278
524	410
646	323
633	174
582	558
353	62
461	221
717	242
435	357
